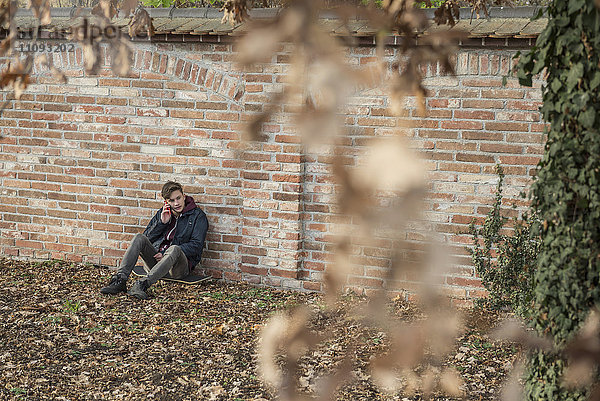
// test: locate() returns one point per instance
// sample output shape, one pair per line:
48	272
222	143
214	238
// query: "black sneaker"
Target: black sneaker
139	289
117	284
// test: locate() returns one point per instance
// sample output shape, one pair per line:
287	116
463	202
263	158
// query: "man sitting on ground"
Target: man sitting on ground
171	246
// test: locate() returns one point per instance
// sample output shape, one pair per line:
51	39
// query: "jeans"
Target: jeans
173	264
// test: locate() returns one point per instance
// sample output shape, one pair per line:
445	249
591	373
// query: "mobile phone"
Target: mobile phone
167	207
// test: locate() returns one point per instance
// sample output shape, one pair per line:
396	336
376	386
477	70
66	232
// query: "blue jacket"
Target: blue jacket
190	231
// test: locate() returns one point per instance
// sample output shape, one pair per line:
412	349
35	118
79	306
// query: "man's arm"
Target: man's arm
193	248
156	228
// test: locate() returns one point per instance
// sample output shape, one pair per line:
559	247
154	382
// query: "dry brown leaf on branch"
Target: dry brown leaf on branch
451	383
407	83
447	13
59	75
253	130
386	166
56	73
514	330
121	57
260	43
583	352
327	385
586	344
140	22
479	7
91	57
443	327
16	75
406	352
41	10
129	6
289	335
106	9
8	10
235	11
579	373
6	46
512	389
336	277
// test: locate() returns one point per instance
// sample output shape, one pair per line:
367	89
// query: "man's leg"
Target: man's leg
140	246
174	264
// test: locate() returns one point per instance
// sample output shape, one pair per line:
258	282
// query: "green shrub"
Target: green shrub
505	262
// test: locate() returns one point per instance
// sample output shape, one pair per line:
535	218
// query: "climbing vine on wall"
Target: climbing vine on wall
566	193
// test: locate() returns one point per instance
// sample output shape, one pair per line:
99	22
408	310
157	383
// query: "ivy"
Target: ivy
565	195
505	262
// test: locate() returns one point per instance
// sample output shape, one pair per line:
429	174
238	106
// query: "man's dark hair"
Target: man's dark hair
169	188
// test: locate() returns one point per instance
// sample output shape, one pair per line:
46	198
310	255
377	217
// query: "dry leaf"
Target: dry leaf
140	22
451	383
579	373
235	11
512	390
513	330
41	10
105	9
16	75
91	57
129	6
429	379
121	58
257	46
389	165
59	75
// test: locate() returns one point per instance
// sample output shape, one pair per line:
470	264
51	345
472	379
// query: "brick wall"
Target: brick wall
82	162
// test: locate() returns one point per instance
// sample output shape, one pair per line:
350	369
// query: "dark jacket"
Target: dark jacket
190	231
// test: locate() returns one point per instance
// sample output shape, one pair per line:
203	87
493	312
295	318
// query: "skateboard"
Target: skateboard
191	279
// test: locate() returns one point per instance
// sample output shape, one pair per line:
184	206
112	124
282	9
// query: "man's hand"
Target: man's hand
165	216
158	256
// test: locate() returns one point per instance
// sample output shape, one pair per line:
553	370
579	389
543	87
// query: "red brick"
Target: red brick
483	136
503	93
461	124
253	270
475	114
519	160
475	158
283	273
506	126
464	281
482	104
365	282
500	148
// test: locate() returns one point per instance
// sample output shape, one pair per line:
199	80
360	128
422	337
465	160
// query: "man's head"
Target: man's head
172	192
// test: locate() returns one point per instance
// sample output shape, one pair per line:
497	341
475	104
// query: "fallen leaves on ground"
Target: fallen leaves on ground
62	339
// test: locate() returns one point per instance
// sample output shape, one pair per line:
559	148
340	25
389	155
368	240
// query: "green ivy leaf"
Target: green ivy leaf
587	118
575	6
574	75
595	81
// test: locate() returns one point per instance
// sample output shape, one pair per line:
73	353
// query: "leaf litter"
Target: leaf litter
62	339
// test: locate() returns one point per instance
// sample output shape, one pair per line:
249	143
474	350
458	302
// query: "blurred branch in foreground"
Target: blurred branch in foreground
379	195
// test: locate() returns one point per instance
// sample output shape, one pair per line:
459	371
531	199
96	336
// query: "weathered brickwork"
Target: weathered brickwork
82	162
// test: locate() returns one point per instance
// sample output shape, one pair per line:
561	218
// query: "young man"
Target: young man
170	246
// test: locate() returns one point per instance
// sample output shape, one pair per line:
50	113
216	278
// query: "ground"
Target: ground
63	340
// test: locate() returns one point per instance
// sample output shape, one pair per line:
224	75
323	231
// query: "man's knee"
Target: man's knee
138	237
138	240
174	250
